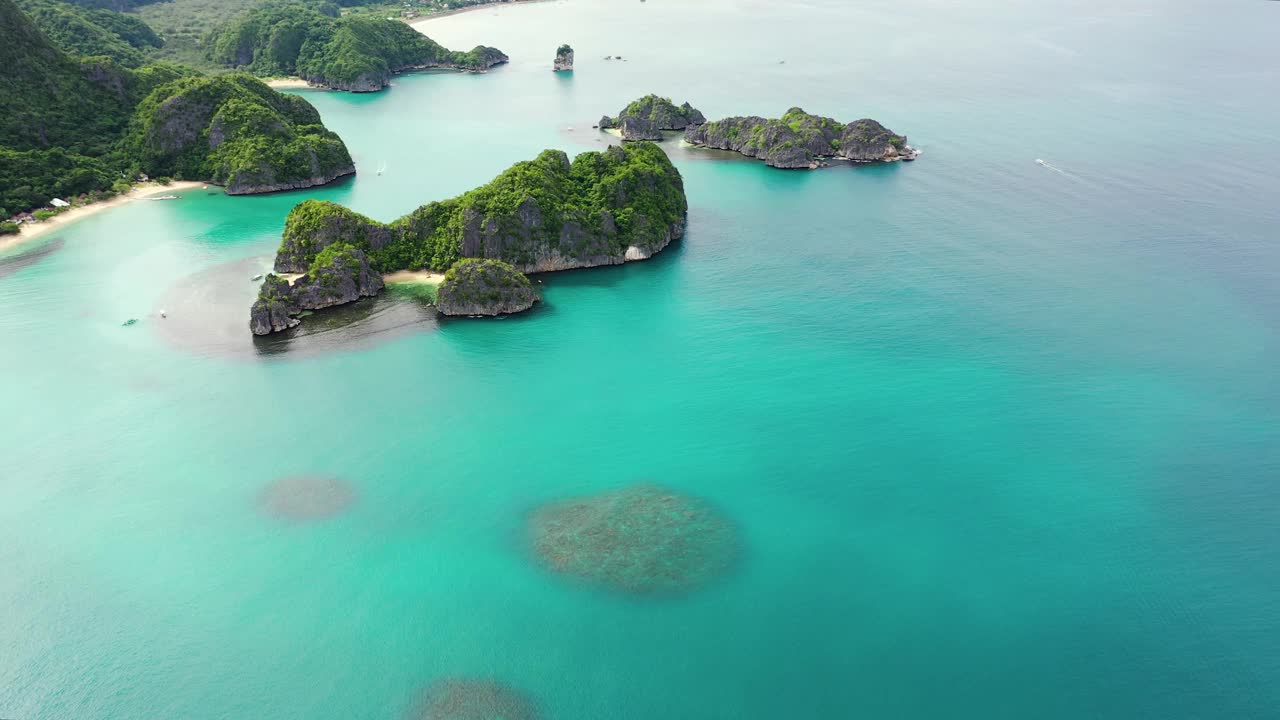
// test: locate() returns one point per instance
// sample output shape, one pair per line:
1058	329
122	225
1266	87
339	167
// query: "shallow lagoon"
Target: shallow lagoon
999	441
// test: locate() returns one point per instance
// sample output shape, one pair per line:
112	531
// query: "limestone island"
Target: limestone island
801	140
646	118
233	130
564	59
355	53
542	215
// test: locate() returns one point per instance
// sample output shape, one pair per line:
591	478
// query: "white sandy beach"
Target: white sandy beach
28	231
487	6
289	82
414	276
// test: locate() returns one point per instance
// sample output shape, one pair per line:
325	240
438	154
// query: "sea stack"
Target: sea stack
564	59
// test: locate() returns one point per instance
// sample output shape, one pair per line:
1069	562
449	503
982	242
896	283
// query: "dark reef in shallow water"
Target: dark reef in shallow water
306	497
474	700
640	539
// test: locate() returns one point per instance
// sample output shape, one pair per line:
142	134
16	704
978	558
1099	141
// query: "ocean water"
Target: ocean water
1000	439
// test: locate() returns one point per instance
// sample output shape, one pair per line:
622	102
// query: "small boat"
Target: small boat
1041	162
163	314
256	277
130	321
165	197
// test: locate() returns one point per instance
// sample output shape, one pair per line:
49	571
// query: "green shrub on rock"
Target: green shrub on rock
484	287
544	214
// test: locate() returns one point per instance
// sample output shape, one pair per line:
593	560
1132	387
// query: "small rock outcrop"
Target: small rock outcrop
564	59
484	287
275	309
801	140
339	274
650	115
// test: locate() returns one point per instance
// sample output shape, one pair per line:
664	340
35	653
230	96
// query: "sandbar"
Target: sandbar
30	230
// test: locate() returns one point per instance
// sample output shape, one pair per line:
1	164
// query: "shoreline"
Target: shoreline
399	277
411	22
287	82
30	231
404	277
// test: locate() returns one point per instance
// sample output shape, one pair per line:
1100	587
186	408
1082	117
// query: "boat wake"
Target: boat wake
1058	170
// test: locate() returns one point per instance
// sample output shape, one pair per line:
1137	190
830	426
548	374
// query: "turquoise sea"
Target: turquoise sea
1001	439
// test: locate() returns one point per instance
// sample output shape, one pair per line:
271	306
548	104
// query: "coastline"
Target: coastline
412	22
425	277
30	231
399	277
287	82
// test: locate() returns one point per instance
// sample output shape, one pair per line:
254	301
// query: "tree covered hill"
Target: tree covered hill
71	124
355	52
83	31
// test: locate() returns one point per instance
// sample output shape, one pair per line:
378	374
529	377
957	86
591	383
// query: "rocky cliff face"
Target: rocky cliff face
484	287
265	179
801	140
340	274
275	309
564	59
646	117
640	128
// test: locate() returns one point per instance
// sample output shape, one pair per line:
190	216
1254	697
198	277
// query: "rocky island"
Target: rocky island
801	140
352	53
564	59
339	274
646	118
484	287
547	214
235	131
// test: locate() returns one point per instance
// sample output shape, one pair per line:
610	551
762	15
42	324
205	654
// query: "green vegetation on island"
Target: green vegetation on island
564	58
358	53
73	125
646	118
235	131
475	286
801	140
603	208
93	31
538	215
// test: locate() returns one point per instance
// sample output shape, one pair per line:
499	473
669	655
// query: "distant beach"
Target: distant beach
30	230
287	82
414	276
458	11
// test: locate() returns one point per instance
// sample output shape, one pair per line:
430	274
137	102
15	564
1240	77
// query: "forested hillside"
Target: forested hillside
70	124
